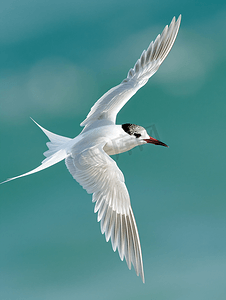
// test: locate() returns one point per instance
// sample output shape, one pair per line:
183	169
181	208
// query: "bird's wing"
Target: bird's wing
99	175
111	102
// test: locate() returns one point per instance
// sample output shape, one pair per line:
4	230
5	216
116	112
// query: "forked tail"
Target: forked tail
56	152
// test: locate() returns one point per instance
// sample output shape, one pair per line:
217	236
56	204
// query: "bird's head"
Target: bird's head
140	134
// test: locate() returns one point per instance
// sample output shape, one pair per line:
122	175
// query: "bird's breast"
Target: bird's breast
119	145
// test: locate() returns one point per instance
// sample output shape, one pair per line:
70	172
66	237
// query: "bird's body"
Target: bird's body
87	156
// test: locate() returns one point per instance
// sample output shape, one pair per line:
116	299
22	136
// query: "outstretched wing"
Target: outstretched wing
107	107
99	175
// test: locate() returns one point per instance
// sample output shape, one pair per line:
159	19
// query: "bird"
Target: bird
88	155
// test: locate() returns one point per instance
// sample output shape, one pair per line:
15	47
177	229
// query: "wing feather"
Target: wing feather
105	110
100	176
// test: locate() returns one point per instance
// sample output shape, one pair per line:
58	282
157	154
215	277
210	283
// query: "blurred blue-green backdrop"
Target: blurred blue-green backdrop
57	58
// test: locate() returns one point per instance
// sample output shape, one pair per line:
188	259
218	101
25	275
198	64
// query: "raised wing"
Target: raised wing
99	175
107	107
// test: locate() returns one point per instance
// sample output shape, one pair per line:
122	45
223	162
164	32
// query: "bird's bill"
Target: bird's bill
151	140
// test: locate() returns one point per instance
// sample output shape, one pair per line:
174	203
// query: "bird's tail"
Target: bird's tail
55	142
56	153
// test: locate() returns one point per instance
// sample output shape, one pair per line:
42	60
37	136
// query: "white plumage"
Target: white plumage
87	155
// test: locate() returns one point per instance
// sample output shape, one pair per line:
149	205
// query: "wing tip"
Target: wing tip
143	279
179	19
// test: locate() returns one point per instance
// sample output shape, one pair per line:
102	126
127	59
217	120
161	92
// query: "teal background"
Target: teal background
57	58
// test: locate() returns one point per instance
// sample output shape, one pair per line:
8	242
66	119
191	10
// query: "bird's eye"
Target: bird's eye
137	135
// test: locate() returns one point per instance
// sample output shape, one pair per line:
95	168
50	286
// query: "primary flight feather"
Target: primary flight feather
87	156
